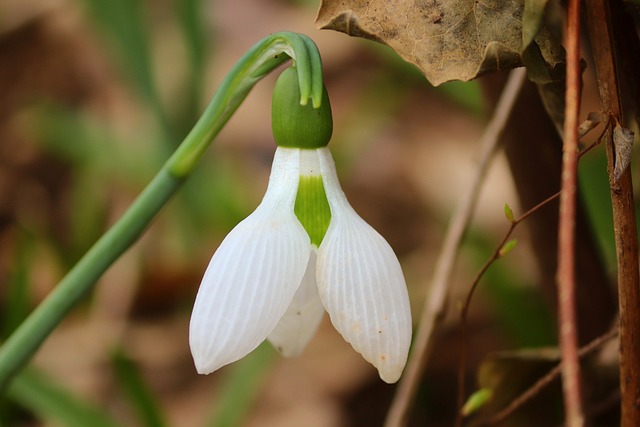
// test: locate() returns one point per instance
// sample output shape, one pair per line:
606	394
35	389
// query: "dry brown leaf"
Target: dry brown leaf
446	39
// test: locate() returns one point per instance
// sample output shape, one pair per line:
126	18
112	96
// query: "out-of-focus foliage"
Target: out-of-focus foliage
50	401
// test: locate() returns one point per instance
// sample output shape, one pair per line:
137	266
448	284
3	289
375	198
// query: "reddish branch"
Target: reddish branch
601	28
566	227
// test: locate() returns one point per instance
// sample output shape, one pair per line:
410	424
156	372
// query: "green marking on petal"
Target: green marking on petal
312	208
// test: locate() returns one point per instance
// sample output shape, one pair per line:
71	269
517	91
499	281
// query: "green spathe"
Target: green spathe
295	125
312	208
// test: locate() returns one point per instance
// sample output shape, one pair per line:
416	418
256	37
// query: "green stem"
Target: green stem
261	59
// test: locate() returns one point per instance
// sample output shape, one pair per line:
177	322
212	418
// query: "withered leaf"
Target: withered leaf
446	39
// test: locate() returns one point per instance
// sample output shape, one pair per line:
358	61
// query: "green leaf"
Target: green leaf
476	401
508	247
508	213
49	401
139	396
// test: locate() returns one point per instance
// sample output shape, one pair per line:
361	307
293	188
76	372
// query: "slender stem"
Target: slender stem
435	303
568	333
464	313
261	59
601	30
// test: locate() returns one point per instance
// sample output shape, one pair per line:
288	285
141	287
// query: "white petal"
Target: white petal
253	275
361	284
301	320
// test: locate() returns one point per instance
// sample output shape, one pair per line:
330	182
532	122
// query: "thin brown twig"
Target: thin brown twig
464	313
568	334
434	308
544	381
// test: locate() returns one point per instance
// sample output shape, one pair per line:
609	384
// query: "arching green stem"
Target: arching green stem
261	59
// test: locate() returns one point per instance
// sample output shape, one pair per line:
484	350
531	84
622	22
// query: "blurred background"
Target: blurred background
96	94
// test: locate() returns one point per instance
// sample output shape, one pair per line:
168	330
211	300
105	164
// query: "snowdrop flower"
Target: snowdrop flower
304	250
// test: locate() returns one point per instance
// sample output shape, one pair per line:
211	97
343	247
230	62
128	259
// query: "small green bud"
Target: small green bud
508	247
508	213
476	401
295	125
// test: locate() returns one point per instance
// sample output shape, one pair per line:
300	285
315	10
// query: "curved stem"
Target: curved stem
261	59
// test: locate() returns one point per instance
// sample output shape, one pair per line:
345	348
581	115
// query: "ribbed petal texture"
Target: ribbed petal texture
301	320
253	275
361	284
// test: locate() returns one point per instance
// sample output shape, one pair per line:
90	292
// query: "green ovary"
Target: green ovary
312	208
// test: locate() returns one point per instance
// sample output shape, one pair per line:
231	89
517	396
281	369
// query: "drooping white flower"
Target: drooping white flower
303	250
